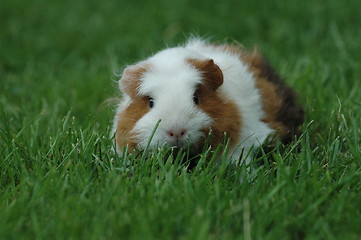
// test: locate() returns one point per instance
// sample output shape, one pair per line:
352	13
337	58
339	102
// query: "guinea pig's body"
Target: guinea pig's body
201	89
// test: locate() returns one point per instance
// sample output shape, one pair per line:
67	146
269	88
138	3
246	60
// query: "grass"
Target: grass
61	180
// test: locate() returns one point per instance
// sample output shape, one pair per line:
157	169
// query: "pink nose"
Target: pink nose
177	133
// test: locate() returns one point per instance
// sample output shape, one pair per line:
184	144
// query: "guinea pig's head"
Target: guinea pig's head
178	91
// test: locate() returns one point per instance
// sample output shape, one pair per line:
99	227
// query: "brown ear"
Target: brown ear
130	81
213	76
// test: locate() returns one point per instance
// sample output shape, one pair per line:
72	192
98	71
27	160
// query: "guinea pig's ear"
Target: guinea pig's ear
212	74
130	81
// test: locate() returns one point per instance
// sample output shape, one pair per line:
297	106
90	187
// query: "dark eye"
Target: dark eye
151	102
195	99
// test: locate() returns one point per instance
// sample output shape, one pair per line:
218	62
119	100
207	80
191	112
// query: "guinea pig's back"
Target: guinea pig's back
282	111
265	102
239	86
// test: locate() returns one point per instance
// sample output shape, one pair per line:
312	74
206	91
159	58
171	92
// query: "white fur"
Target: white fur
171	82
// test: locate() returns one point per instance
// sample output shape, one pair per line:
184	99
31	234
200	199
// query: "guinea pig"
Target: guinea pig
200	90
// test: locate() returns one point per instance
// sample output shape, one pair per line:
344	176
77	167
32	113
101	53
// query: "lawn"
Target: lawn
59	176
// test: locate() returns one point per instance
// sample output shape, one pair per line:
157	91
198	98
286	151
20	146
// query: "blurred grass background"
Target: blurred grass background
59	47
58	67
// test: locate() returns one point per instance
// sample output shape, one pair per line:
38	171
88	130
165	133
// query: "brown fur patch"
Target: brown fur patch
283	113
129	84
127	120
212	74
271	105
224	113
130	81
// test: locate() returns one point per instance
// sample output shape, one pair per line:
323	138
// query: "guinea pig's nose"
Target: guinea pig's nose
177	133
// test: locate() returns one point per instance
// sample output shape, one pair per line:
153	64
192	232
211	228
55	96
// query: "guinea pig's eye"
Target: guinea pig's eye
151	102
195	99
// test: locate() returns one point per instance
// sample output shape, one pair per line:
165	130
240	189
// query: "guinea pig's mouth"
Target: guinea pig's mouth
180	144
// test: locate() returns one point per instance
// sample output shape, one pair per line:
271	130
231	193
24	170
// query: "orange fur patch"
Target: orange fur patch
271	101
282	113
130	80
211	73
271	104
138	107
127	120
224	113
